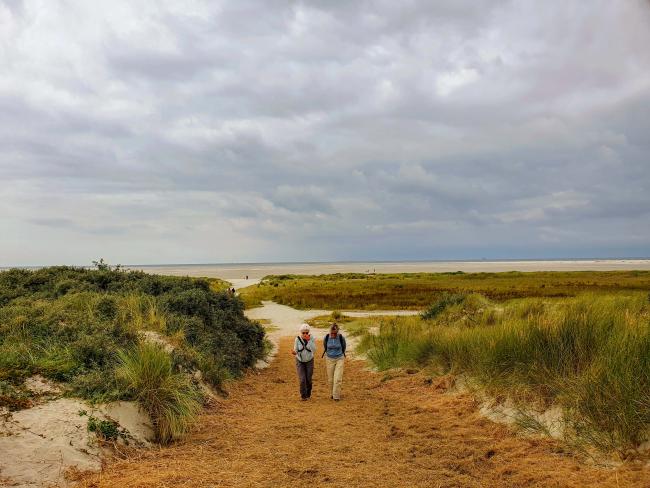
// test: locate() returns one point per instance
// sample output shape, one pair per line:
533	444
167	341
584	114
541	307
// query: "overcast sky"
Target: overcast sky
239	131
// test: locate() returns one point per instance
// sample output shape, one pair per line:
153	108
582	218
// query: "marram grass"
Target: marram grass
168	396
590	354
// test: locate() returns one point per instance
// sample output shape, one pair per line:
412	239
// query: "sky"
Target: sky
249	131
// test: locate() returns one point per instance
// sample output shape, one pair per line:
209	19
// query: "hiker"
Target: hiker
304	348
334	344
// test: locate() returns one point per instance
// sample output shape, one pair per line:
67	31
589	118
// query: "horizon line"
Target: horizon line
398	261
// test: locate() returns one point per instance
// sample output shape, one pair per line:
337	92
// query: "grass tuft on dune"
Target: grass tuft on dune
590	354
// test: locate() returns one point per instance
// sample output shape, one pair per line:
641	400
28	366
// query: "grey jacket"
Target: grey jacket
306	353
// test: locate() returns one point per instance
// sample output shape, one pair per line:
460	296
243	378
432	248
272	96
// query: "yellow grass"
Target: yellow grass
406	432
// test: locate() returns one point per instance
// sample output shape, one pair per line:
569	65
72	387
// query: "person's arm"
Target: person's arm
295	346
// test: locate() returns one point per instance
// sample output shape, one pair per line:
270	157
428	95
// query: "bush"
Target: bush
69	324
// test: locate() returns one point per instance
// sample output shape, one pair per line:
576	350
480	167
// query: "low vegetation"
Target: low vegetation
355	291
109	334
590	354
168	395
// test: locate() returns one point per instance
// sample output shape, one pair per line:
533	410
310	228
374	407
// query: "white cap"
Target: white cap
304	327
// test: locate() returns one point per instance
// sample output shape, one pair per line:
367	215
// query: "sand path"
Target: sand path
406	431
286	321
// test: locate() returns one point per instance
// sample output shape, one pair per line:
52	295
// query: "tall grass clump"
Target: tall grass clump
400	341
167	395
590	354
446	300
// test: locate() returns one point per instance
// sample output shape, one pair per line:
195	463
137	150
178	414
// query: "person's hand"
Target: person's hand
293	352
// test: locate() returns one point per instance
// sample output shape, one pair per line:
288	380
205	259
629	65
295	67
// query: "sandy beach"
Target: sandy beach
259	270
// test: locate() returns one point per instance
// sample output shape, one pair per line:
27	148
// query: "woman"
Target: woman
304	348
335	349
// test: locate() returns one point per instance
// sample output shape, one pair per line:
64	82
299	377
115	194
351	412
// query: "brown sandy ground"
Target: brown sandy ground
404	432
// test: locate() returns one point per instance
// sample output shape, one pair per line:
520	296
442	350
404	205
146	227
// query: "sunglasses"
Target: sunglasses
305	332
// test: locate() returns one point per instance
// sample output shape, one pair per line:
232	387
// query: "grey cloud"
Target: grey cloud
341	129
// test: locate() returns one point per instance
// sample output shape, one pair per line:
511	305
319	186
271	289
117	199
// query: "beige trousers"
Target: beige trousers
335	375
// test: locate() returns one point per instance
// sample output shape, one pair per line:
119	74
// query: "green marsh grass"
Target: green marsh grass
417	291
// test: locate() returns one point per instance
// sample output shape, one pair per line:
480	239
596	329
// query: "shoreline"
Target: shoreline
259	270
256	271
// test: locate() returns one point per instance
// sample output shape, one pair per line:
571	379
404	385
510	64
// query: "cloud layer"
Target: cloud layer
187	131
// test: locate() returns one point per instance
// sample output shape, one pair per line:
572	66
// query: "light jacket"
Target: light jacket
304	354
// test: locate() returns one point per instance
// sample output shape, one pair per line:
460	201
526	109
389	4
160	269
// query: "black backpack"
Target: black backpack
343	344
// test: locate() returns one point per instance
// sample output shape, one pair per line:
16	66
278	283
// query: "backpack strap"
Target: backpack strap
304	344
343	344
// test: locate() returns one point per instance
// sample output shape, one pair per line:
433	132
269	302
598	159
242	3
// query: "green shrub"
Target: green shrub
69	324
107	430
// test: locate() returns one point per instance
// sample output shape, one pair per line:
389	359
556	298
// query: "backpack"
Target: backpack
343	344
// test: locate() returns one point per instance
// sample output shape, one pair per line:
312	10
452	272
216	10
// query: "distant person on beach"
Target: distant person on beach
335	345
304	348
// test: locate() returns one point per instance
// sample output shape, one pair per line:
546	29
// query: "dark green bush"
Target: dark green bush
70	324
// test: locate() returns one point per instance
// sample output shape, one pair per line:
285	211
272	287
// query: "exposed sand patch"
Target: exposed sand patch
42	386
46	440
379	313
130	416
153	337
550	420
243	283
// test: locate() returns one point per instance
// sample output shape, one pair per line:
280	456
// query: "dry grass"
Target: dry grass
406	432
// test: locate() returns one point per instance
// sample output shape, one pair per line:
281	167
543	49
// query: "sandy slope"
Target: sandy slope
404	432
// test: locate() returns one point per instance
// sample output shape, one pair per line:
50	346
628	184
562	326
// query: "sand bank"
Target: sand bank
258	271
43	442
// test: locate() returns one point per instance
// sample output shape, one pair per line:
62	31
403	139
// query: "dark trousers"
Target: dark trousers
305	372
